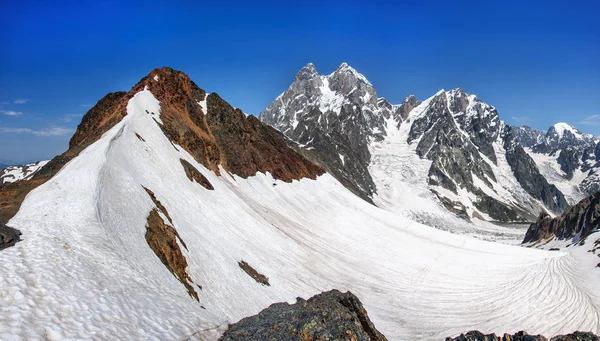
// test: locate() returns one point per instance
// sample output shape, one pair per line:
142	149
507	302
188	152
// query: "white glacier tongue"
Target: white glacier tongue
85	271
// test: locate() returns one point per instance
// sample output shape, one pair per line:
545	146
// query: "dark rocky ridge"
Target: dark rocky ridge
328	316
577	223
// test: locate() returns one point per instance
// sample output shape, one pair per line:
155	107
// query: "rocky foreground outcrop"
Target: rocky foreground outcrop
328	316
334	315
522	336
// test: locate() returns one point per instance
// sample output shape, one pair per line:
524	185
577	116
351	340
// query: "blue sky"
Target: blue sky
537	62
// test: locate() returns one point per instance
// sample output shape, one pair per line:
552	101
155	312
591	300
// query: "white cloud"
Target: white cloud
85	105
48	131
10	113
21	101
591	120
521	119
69	118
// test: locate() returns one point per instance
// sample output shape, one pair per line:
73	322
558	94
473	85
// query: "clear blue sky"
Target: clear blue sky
537	62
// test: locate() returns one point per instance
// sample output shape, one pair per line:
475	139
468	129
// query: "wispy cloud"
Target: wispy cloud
86	105
48	131
21	101
10	113
69	118
521	119
591	120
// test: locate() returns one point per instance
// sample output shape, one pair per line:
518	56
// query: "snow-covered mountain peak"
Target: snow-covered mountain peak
561	127
12	174
309	71
344	68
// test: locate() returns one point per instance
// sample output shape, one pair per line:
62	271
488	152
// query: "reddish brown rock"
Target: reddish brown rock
224	136
194	175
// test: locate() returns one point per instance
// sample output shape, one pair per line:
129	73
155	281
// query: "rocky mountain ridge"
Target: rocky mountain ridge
339	118
566	157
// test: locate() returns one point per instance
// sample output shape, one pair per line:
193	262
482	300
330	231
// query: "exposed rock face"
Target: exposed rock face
109	111
12	174
194	175
336	116
529	176
527	136
522	336
462	135
217	134
576	224
328	316
257	276
162	239
8	236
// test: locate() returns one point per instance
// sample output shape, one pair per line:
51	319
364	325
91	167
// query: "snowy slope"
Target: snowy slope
17	173
85	271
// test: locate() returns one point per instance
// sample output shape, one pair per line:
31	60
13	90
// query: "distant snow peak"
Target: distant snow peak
562	127
17	173
345	68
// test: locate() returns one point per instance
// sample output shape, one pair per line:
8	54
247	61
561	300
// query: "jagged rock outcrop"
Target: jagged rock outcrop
576	224
328	316
522	336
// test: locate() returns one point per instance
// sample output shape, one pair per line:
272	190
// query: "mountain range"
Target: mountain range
457	148
173	215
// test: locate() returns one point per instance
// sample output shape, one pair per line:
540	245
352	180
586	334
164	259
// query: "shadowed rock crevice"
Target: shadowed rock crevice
258	277
328	316
194	175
